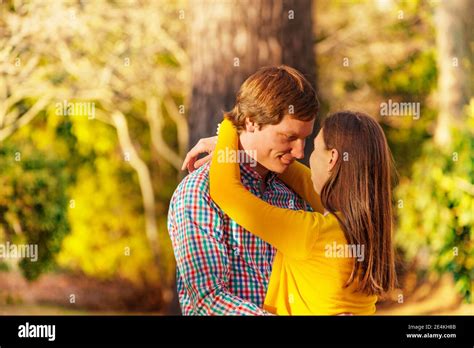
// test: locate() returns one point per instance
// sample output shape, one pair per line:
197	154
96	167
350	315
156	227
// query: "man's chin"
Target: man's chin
279	168
276	166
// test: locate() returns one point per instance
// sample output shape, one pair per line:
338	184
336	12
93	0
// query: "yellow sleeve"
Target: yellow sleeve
298	177
291	232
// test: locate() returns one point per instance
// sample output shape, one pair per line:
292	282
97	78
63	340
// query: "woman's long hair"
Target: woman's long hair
359	188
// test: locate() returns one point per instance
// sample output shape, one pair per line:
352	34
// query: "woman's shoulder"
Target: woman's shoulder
330	226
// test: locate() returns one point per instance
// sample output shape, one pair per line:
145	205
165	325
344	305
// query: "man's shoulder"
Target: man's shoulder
194	184
191	203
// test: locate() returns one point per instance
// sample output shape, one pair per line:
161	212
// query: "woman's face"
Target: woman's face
322	161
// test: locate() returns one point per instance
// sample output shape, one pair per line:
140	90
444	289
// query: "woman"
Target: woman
331	263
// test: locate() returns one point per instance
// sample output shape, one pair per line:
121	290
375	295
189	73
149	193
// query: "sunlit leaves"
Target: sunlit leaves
439	213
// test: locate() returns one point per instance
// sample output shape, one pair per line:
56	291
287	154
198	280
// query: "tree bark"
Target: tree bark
155	119
230	40
144	178
455	32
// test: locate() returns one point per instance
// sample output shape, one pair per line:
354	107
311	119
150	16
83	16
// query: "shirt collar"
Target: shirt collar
252	177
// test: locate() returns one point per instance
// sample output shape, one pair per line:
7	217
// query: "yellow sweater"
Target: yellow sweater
310	267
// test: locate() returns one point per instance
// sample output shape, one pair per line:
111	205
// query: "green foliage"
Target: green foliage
37	169
370	53
436	212
33	204
412	77
107	236
406	138
4	267
119	63
410	80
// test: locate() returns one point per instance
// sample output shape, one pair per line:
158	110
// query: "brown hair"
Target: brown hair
270	94
359	187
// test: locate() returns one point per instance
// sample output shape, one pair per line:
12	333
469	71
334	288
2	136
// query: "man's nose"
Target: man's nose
298	150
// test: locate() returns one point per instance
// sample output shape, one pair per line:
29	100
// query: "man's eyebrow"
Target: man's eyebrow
292	134
285	133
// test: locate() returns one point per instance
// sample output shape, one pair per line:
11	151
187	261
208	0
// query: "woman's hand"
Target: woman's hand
204	145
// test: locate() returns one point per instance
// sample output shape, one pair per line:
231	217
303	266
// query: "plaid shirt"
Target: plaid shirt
222	269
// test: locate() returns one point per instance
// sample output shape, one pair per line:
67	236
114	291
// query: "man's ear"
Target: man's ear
333	159
250	126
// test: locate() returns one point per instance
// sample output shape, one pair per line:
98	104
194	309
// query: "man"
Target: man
223	269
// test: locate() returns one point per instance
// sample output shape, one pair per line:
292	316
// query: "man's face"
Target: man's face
277	146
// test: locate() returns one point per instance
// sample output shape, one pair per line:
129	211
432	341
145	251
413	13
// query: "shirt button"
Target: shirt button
292	204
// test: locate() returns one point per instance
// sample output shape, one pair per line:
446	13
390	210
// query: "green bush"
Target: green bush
436	209
33	204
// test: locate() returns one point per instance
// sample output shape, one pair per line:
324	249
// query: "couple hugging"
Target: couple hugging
268	235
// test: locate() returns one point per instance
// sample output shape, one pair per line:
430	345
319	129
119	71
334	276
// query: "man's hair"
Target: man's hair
270	94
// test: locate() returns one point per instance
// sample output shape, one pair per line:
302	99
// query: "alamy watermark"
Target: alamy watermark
84	109
237	156
336	250
393	108
19	251
28	330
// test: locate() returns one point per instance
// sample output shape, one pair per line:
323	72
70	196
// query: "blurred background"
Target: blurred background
100	100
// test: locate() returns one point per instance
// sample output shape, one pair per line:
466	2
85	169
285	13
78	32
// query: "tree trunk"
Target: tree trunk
145	182
230	40
455	58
